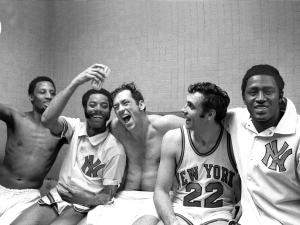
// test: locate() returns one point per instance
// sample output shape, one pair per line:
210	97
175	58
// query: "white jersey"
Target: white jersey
269	167
205	180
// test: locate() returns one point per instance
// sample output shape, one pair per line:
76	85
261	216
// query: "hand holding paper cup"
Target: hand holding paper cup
105	70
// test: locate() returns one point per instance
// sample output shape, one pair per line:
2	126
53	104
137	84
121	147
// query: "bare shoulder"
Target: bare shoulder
9	113
115	127
167	122
174	135
172	140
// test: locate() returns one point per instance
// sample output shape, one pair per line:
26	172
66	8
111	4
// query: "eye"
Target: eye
190	105
269	92
104	106
252	92
92	104
52	93
116	107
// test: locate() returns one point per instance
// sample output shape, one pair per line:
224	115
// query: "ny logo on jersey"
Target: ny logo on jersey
272	151
92	168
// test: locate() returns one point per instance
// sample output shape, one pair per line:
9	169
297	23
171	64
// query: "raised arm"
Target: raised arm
50	117
6	114
165	177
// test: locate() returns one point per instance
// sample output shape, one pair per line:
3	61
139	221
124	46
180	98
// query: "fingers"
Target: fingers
96	72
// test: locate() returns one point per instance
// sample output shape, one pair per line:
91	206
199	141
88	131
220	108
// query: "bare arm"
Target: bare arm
168	122
165	177
50	117
6	114
73	195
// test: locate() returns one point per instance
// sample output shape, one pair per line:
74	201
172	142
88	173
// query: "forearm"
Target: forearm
58	104
100	199
164	207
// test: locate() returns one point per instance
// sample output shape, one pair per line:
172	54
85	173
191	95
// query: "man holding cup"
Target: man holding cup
94	163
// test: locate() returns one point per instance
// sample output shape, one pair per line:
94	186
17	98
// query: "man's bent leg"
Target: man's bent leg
83	221
69	217
14	201
36	214
146	220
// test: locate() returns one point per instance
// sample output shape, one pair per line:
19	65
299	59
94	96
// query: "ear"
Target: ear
211	114
142	105
281	96
30	97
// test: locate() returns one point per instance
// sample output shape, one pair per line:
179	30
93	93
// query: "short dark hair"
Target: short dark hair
263	69
135	92
214	98
90	92
33	83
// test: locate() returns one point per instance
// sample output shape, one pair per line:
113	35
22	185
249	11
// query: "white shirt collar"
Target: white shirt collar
287	124
96	139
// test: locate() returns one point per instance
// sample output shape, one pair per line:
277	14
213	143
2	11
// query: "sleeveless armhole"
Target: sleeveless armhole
230	152
182	149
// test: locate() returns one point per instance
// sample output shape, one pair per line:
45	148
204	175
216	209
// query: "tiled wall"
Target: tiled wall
163	46
166	45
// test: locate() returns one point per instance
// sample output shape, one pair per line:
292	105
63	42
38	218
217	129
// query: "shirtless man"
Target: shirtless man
141	136
29	153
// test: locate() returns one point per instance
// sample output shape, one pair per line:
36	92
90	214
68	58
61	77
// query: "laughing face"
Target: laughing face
126	108
97	111
262	99
193	111
43	93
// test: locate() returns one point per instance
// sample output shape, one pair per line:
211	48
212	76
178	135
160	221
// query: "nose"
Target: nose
121	108
49	95
97	107
184	108
260	97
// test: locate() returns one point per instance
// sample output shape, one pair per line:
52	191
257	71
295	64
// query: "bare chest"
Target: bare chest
143	153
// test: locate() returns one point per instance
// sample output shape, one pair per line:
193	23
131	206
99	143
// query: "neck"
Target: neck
263	125
35	115
209	135
141	128
94	131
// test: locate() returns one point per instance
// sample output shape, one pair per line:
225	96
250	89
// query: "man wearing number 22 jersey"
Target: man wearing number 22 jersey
196	161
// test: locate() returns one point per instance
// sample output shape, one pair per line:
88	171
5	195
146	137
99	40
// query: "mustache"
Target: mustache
87	116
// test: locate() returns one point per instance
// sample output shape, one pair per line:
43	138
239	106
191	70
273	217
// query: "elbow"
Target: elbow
45	121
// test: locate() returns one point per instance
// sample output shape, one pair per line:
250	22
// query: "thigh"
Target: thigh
83	221
69	217
36	214
146	220
219	222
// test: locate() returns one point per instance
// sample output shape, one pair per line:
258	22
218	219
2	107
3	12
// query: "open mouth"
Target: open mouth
260	107
97	117
126	118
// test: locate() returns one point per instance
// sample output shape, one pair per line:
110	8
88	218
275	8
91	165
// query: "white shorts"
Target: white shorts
14	201
128	206
53	199
203	216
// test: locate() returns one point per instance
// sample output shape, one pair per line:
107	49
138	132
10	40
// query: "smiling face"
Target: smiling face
193	111
43	93
126	108
262	100
97	111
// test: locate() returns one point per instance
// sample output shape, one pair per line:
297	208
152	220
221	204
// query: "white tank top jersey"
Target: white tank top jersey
205	180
